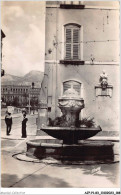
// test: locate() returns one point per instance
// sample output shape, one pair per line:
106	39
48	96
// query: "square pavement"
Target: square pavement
21	174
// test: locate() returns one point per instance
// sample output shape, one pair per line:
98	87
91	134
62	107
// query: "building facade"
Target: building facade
19	93
82	41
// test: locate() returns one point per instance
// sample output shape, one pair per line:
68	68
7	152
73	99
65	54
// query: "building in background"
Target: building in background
19	95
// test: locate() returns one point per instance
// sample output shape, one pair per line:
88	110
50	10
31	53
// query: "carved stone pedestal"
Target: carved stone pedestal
71	105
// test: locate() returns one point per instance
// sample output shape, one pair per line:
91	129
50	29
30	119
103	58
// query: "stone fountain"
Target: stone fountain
71	105
72	141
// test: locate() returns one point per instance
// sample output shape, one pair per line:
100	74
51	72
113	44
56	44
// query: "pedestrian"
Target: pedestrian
24	121
8	121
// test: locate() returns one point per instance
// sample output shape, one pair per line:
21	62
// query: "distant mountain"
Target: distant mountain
9	79
32	76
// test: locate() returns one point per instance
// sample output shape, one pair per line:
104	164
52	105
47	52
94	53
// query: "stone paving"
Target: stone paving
21	174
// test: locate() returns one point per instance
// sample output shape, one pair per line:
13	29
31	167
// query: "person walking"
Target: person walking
8	121
24	121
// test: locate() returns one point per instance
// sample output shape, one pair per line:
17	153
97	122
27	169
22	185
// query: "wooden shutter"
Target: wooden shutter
75	44
68	43
72	45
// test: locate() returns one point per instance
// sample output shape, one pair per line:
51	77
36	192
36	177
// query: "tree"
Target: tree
3	100
15	102
8	103
36	102
25	95
32	102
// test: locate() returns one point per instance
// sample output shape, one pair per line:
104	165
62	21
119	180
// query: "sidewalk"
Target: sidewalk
14	136
17	115
17	126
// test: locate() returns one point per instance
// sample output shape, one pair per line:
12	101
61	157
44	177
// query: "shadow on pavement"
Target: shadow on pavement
7	179
33	181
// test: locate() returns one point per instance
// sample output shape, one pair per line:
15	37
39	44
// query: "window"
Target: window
72	5
72	42
72	84
71	2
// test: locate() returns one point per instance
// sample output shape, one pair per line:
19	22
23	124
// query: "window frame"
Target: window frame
72	27
73	80
80	61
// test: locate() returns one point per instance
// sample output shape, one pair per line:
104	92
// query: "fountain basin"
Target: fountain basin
71	135
88	150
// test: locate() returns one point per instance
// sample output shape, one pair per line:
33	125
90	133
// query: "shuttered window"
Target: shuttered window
72	42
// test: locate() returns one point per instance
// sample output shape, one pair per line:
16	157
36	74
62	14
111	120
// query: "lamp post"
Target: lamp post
30	97
29	103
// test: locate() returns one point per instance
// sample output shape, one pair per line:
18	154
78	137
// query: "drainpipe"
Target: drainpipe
56	92
29	103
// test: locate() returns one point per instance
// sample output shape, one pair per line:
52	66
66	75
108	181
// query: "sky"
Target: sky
23	23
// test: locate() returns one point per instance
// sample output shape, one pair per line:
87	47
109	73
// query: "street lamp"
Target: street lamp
29	103
29	106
